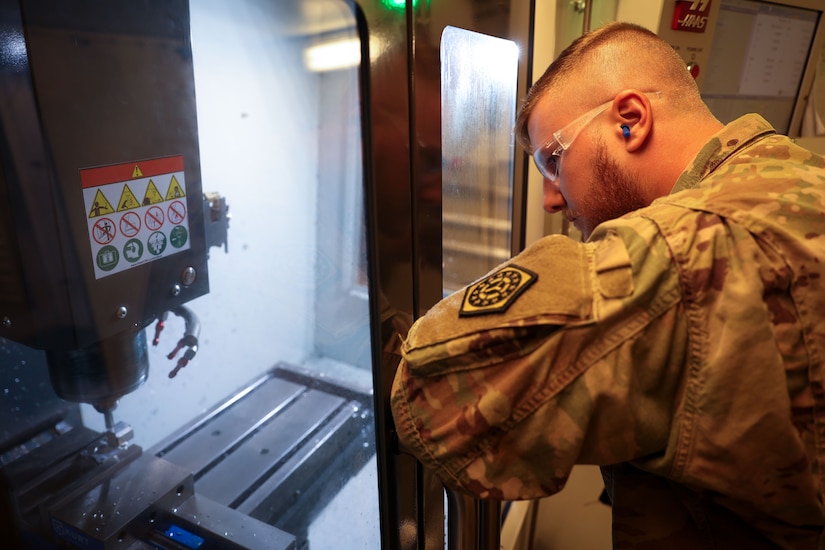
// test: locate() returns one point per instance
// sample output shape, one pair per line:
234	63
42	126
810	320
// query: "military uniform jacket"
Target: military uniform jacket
682	348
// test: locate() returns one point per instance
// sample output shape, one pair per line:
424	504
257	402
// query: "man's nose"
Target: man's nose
553	199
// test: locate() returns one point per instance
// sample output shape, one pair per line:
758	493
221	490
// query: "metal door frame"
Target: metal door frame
405	270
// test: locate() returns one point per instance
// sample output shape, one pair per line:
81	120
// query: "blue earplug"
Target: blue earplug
625	131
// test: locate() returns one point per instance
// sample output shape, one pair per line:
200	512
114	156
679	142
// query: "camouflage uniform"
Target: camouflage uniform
682	348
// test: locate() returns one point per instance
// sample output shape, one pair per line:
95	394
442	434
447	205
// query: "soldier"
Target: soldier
681	347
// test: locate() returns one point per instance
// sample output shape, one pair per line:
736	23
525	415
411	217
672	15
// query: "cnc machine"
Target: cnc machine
105	231
169	381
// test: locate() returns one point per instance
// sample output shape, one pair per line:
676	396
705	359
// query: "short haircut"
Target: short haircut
654	63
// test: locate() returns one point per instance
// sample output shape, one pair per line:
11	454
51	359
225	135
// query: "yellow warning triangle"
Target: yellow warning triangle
152	195
100	206
175	190
127	200
136	173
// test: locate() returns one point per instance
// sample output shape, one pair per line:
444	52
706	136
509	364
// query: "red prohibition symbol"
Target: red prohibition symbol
154	218
104	231
130	224
176	212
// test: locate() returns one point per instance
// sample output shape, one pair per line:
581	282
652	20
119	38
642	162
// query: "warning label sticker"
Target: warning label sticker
136	213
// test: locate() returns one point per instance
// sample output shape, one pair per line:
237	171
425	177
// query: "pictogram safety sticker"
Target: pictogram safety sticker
133	211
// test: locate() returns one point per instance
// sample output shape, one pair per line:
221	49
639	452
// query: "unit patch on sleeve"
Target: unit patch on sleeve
496	292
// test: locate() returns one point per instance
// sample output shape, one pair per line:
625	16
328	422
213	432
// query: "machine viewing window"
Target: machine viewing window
163	120
478	105
771	44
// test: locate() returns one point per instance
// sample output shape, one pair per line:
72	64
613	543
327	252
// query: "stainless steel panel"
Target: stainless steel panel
478	104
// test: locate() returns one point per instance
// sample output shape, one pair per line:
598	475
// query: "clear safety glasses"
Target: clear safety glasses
547	156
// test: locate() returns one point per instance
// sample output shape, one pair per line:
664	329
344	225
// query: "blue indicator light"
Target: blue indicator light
183	537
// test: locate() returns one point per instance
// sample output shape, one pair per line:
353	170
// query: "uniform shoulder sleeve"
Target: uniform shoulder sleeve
485	391
484	323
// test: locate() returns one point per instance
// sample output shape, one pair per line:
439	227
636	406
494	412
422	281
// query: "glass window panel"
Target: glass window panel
478	105
279	133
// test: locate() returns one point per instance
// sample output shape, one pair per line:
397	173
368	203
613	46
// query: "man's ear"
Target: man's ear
632	117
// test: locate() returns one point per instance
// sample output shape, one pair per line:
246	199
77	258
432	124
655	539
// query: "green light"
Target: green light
397	4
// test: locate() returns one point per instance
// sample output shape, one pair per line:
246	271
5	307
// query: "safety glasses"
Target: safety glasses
547	156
